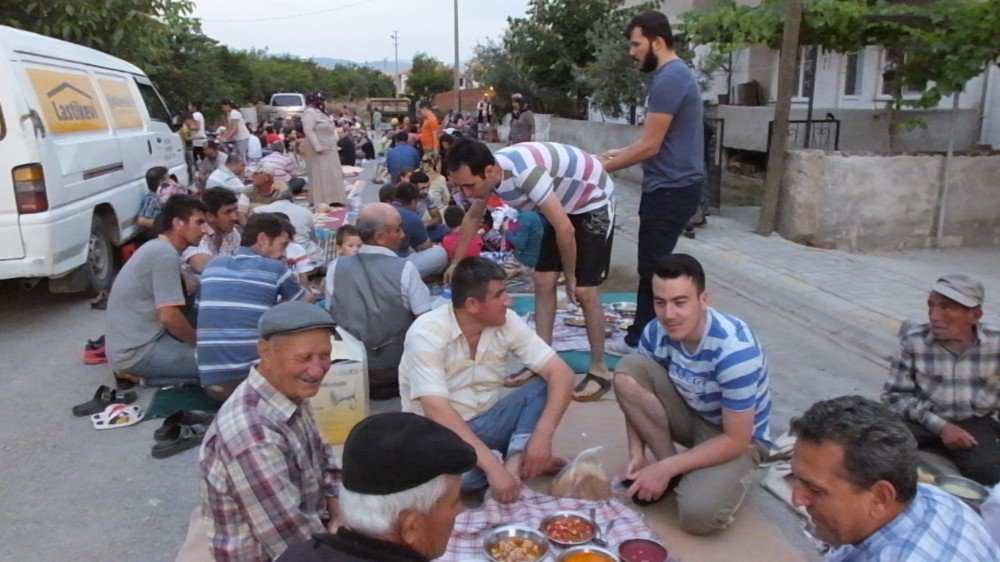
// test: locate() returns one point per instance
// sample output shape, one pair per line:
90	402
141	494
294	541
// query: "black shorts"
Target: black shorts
594	234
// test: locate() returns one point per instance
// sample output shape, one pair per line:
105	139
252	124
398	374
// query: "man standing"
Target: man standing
376	295
453	368
149	340
222	238
576	196
235	292
946	381
398	502
267	479
699	379
429	129
854	470
522	121
671	150
198	133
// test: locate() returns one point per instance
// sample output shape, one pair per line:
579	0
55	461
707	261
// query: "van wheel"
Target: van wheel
100	265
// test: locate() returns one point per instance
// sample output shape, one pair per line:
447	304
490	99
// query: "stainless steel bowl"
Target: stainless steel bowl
508	531
587	549
976	492
578	515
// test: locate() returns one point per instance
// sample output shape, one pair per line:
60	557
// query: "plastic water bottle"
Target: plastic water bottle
353	207
443	299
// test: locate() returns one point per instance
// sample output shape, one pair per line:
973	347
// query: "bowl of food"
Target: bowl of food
627	307
642	550
568	528
514	543
970	491
587	553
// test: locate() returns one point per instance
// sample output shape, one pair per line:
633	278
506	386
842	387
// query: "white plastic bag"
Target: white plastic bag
583	478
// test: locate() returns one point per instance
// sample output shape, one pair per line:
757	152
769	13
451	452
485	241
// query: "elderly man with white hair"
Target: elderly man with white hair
398	503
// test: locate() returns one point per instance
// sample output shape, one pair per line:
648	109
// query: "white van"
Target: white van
78	131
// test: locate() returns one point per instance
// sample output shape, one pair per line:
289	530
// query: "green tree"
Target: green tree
493	67
427	77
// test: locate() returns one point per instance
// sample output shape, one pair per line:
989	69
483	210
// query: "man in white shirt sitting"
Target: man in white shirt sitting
453	367
229	176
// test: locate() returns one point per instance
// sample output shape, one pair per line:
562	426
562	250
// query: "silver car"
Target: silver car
285	105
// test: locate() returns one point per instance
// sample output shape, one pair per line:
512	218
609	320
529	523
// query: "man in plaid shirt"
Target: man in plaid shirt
854	470
268	481
946	381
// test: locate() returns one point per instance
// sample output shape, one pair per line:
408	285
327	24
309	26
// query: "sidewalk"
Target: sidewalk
860	301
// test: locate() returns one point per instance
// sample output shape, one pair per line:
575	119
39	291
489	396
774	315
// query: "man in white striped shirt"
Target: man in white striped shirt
570	188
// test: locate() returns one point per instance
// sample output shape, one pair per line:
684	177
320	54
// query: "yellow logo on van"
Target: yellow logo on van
69	102
124	111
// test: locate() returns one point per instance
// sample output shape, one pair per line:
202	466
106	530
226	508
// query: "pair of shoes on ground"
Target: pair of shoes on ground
180	431
103	398
93	352
522	377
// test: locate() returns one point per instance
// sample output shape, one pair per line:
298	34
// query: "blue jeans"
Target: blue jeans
168	361
507	426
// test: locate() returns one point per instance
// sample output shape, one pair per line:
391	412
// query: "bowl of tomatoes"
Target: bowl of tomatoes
568	528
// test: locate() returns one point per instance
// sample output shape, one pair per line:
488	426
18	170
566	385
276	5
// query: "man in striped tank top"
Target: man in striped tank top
570	188
700	380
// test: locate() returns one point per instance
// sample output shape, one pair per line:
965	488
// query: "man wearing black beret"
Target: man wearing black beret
400	493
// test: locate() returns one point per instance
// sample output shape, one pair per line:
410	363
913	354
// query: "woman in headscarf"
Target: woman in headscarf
326	178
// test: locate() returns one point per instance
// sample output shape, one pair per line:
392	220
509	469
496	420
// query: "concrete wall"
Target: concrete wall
867	202
591	137
860	129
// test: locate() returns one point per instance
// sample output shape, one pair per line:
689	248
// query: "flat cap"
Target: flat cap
294	316
960	288
394	452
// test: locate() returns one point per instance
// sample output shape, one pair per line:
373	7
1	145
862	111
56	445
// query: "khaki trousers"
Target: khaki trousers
707	498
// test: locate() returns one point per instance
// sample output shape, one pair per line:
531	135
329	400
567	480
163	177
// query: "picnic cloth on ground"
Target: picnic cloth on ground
169	399
474	525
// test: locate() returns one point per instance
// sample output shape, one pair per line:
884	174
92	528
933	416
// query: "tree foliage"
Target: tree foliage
494	67
162	38
428	76
946	43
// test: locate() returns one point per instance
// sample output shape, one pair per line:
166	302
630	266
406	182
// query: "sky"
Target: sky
356	30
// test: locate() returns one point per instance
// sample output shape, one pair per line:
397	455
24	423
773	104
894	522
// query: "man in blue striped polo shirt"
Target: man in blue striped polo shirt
235	292
700	380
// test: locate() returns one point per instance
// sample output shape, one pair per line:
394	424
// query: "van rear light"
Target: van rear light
29	189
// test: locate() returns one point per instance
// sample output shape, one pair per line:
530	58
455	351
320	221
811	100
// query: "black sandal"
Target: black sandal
103	398
181	417
604	383
180	438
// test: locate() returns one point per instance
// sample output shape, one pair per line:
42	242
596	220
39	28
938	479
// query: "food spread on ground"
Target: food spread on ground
587	557
515	549
642	550
569	529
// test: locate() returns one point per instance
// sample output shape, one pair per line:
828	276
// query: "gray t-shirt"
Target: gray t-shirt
150	279
681	159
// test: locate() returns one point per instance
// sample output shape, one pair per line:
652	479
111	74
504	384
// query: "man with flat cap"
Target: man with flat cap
267	479
400	493
946	381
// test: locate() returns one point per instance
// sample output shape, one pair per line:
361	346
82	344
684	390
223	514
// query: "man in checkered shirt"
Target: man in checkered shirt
854	471
946	381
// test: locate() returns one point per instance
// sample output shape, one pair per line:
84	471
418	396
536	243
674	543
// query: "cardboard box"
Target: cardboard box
342	400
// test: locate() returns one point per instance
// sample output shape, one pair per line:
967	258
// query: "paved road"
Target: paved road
69	492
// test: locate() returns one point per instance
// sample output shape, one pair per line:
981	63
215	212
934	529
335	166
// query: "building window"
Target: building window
892	59
853	74
805	65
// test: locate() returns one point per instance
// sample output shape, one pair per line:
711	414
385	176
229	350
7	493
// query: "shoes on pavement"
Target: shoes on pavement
617	346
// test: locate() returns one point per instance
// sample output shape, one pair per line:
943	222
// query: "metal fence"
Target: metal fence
820	134
715	131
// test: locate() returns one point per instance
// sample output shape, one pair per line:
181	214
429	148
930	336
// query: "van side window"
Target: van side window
154	105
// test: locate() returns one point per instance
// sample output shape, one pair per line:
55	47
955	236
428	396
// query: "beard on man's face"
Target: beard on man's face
649	62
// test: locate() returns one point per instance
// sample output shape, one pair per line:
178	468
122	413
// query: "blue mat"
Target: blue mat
579	361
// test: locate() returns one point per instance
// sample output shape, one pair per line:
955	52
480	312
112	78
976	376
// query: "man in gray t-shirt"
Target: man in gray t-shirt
149	340
672	152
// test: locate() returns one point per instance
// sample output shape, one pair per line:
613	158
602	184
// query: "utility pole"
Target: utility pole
458	91
395	44
779	134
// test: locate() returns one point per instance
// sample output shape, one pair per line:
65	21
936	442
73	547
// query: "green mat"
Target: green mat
579	361
172	398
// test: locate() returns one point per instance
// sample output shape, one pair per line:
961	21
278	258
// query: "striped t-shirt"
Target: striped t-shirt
728	371
534	170
235	292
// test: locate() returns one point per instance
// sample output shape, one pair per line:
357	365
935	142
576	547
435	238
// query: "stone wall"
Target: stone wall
591	137
870	202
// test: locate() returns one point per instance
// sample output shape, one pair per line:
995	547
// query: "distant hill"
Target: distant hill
389	66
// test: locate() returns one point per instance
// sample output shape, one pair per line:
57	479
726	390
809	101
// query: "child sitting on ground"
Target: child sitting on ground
453	216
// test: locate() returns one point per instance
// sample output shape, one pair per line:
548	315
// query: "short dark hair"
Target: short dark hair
681	265
446	138
472	153
404	171
180	207
387	193
453	216
269	223
345	232
218	197
472	277
155	176
196	104
653	24
419	177
425	105
407	193
401	136
877	444
289	227
228	102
